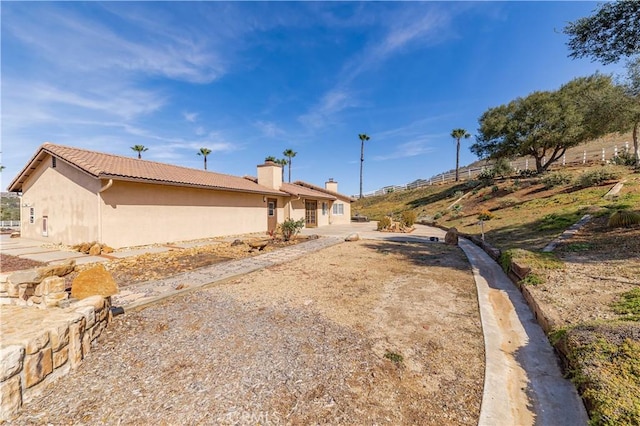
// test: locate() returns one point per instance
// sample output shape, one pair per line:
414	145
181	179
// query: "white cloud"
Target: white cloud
331	103
407	149
191	117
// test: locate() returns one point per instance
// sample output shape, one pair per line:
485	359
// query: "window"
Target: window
325	209
32	215
338	209
53	162
272	208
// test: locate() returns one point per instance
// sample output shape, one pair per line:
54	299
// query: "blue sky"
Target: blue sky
251	79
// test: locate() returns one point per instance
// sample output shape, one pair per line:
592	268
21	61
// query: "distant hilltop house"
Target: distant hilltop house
72	195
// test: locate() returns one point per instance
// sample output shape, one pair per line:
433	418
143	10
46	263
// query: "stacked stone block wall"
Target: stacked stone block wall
34	355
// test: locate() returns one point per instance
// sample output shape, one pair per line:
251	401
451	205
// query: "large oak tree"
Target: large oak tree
544	125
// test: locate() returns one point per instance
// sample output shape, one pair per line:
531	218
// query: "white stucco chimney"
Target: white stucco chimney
330	185
270	175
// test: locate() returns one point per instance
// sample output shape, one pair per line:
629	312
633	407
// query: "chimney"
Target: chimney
330	185
270	175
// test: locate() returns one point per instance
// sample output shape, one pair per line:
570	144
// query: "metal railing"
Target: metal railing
572	157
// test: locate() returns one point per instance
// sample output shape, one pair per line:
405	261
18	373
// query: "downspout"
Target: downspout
104	188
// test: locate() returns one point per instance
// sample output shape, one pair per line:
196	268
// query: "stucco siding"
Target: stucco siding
138	214
67	197
339	219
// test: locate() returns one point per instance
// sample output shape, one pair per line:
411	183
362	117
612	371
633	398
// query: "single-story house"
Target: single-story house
72	195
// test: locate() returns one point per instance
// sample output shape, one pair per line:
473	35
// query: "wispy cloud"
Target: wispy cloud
400	32
331	103
191	117
269	128
407	149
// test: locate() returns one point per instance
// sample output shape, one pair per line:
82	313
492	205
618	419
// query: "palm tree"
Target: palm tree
270	158
458	134
283	162
139	149
290	154
204	152
363	137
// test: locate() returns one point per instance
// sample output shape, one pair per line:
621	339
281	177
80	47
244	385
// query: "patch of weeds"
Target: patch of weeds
598	176
394	357
604	366
458	194
532	279
495	188
575	247
556	179
629	305
556	222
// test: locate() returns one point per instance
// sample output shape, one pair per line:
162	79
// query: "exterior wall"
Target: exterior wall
344	218
324	219
138	213
67	197
295	209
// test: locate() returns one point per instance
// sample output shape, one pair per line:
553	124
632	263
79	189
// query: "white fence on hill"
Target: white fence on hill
467	173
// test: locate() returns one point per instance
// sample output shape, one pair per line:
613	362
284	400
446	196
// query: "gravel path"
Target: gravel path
390	337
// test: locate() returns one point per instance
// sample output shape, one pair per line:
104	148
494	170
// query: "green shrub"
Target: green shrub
556	179
438	215
409	218
598	176
458	194
623	219
384	223
625	158
527	173
290	228
495	188
486	215
457	208
487	176
502	168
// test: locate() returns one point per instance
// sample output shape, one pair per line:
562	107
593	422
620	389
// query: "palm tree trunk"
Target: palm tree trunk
361	162
289	169
205	162
139	155
457	158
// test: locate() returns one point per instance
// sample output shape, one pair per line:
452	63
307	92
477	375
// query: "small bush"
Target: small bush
527	173
487	176
457	208
394	357
556	179
623	219
502	168
596	177
625	158
408	218
290	228
458	194
437	216
486	215
384	223
495	188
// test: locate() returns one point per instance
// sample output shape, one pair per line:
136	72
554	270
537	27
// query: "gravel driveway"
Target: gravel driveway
358	333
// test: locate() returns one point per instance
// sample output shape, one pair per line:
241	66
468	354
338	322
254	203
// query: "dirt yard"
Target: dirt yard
359	333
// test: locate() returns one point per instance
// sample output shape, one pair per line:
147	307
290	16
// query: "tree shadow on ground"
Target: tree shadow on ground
421	252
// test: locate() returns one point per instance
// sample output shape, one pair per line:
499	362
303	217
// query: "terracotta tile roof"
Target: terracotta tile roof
108	166
326	191
302	192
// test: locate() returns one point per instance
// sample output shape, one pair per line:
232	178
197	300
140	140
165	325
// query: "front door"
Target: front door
272	215
310	212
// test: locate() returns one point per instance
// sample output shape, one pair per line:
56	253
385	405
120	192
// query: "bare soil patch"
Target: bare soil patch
600	264
358	333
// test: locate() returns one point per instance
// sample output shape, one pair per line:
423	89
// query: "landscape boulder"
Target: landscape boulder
237	243
35	276
353	237
94	281
95	250
451	237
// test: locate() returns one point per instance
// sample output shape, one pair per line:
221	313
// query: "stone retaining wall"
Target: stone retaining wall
40	345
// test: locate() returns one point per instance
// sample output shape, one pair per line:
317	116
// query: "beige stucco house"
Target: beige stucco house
72	195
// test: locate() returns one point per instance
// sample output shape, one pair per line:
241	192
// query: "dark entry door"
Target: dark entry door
272	214
311	210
